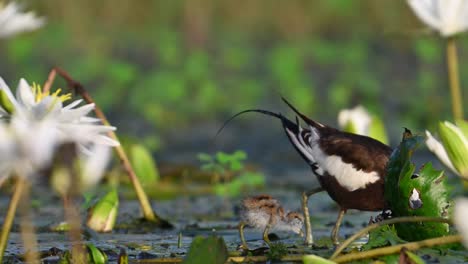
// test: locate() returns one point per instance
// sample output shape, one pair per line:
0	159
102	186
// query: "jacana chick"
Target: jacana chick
265	213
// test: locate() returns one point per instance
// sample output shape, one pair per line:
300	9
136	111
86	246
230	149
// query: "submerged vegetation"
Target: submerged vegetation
158	70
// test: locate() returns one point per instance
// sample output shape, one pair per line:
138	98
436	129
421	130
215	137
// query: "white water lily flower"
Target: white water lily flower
359	121
72	121
356	120
13	21
453	150
448	17
26	147
460	215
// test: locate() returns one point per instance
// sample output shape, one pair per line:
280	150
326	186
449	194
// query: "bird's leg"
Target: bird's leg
265	234
305	209
241	234
336	229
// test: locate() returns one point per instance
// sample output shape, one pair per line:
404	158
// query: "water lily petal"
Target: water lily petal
94	165
449	17
75	114
426	11
357	118
13	21
438	149
73	104
24	94
460	215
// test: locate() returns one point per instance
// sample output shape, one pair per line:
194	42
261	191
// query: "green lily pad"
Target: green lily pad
416	192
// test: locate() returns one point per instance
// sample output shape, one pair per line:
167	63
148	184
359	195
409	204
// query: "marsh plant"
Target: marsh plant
229	173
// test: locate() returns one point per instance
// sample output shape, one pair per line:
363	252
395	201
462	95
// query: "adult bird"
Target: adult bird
349	167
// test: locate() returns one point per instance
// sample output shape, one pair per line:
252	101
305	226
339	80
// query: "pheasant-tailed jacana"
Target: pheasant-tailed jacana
349	167
265	213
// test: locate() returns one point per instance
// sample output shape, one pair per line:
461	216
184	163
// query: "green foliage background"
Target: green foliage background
154	63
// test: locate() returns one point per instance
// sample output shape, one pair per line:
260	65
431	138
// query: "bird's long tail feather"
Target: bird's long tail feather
286	122
293	130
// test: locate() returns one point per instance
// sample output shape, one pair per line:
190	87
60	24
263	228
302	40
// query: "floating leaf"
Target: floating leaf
144	165
207	250
416	193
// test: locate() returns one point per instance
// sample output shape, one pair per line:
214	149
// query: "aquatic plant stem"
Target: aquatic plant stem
406	219
8	222
397	248
148	212
454	79
73	218
28	233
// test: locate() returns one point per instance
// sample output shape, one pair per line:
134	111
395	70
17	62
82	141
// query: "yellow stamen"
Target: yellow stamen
40	95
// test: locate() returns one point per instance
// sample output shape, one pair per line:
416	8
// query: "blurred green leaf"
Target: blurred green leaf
377	130
203	250
144	165
239	184
122	73
428	50
103	214
20	49
197	66
204	157
96	255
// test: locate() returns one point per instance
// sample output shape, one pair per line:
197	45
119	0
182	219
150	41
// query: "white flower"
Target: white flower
356	120
13	21
94	165
71	121
453	151
460	216
449	17
25	147
436	147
